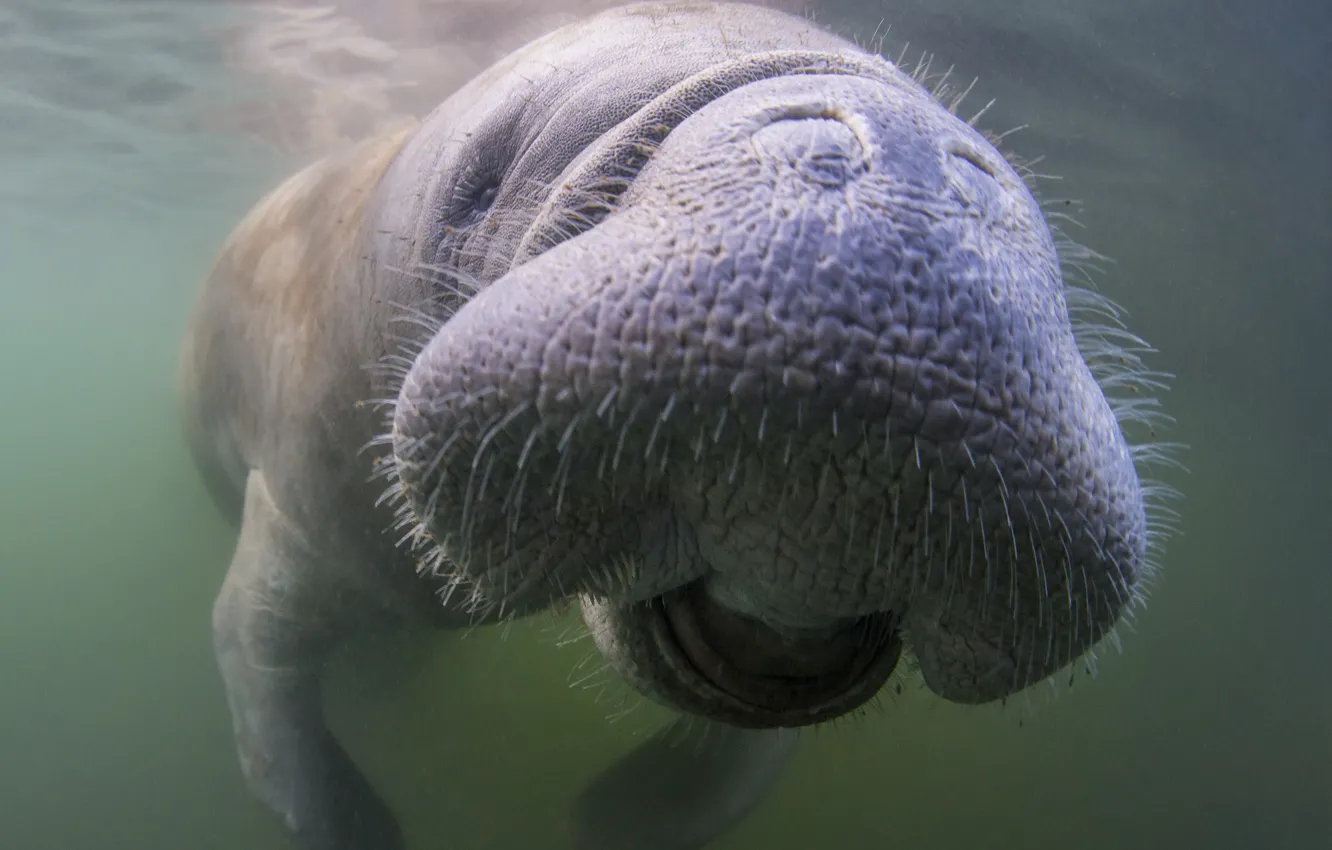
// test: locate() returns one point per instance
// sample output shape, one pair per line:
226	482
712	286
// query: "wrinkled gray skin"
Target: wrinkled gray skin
698	316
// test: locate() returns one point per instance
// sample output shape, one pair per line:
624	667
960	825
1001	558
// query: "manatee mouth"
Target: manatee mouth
756	676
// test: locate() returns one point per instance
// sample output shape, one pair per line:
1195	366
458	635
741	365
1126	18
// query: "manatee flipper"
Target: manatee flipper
273	629
682	788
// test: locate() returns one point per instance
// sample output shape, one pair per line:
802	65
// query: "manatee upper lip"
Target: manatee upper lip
763	680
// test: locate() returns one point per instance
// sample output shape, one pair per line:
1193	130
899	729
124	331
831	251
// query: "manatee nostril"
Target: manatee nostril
974	158
819	149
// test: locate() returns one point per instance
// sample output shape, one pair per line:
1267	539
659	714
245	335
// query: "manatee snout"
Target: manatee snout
805	399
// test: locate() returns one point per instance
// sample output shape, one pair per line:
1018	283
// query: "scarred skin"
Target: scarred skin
696	315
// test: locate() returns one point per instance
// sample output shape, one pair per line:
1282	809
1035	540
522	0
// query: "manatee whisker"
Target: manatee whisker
975	119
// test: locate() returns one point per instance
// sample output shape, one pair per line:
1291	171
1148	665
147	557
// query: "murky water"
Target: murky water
1193	135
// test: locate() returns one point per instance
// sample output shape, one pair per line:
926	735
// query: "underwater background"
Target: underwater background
1193	136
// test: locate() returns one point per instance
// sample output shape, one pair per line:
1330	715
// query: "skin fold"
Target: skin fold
700	318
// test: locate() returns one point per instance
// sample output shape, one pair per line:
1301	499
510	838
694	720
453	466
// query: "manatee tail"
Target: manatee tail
682	788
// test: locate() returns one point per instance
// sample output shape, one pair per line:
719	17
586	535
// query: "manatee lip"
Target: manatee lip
759	677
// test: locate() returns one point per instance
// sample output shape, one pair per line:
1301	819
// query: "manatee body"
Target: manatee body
699	316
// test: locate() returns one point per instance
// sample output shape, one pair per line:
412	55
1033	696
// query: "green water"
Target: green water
1194	133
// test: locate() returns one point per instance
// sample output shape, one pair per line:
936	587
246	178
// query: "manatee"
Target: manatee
697	317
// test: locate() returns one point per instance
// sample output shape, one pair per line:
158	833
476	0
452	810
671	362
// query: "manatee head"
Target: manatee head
773	371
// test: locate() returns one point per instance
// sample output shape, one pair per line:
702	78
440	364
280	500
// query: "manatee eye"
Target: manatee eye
478	185
484	196
478	174
472	197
